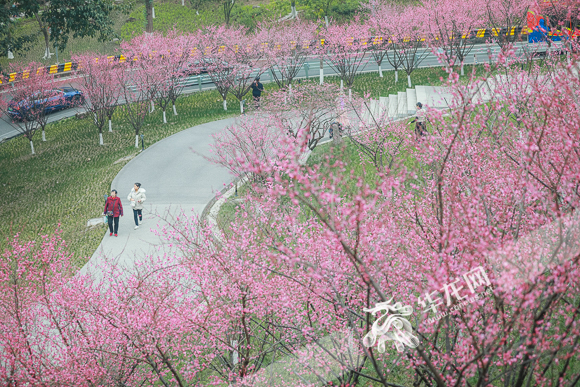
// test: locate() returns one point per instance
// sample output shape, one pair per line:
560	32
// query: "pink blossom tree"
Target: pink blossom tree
100	83
26	106
406	30
247	59
505	17
409	31
377	23
144	76
383	235
289	50
171	54
383	22
37	292
307	114
450	28
344	50
212	45
252	137
136	94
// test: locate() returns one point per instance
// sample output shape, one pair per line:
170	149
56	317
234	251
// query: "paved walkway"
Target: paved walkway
176	177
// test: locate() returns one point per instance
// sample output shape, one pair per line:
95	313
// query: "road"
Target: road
479	54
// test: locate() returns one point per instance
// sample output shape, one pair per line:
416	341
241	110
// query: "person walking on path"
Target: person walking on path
113	209
257	89
137	197
420	130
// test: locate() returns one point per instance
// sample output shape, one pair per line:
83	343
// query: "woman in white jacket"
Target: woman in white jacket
137	197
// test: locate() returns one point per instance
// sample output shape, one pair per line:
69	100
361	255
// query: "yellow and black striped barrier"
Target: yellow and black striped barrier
373	40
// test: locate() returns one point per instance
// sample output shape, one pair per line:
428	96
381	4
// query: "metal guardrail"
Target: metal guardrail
69	67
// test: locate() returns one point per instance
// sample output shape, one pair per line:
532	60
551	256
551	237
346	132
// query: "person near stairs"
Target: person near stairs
420	129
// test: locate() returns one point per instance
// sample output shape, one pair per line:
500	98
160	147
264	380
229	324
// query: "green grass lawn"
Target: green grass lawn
65	181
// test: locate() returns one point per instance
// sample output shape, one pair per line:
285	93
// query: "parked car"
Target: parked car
193	68
200	67
52	100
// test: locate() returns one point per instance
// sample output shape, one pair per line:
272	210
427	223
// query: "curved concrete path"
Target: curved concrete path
176	177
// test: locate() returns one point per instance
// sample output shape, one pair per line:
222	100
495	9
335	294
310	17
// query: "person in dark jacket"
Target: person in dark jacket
257	89
113	209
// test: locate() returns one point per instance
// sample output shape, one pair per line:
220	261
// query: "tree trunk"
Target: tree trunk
235	352
326	21
110	126
32	147
136	141
341	84
409	81
396	76
44	30
149	14
100	138
225	105
380	71
462	70
174	110
153	12
321	72
336	135
47	53
349	94
152	107
242	107
43	135
164	117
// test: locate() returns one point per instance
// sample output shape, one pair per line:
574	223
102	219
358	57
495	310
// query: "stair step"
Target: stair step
384	106
411	101
402	103
393	105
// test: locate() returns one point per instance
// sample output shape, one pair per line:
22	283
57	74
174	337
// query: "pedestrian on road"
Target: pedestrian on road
113	209
137	197
420	130
257	89
335	128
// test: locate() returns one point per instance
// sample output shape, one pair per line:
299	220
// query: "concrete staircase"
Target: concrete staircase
403	103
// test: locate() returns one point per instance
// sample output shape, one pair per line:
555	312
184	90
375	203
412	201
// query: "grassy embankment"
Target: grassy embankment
368	83
65	181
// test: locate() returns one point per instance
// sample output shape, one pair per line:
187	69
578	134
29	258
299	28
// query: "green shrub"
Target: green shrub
248	16
169	16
